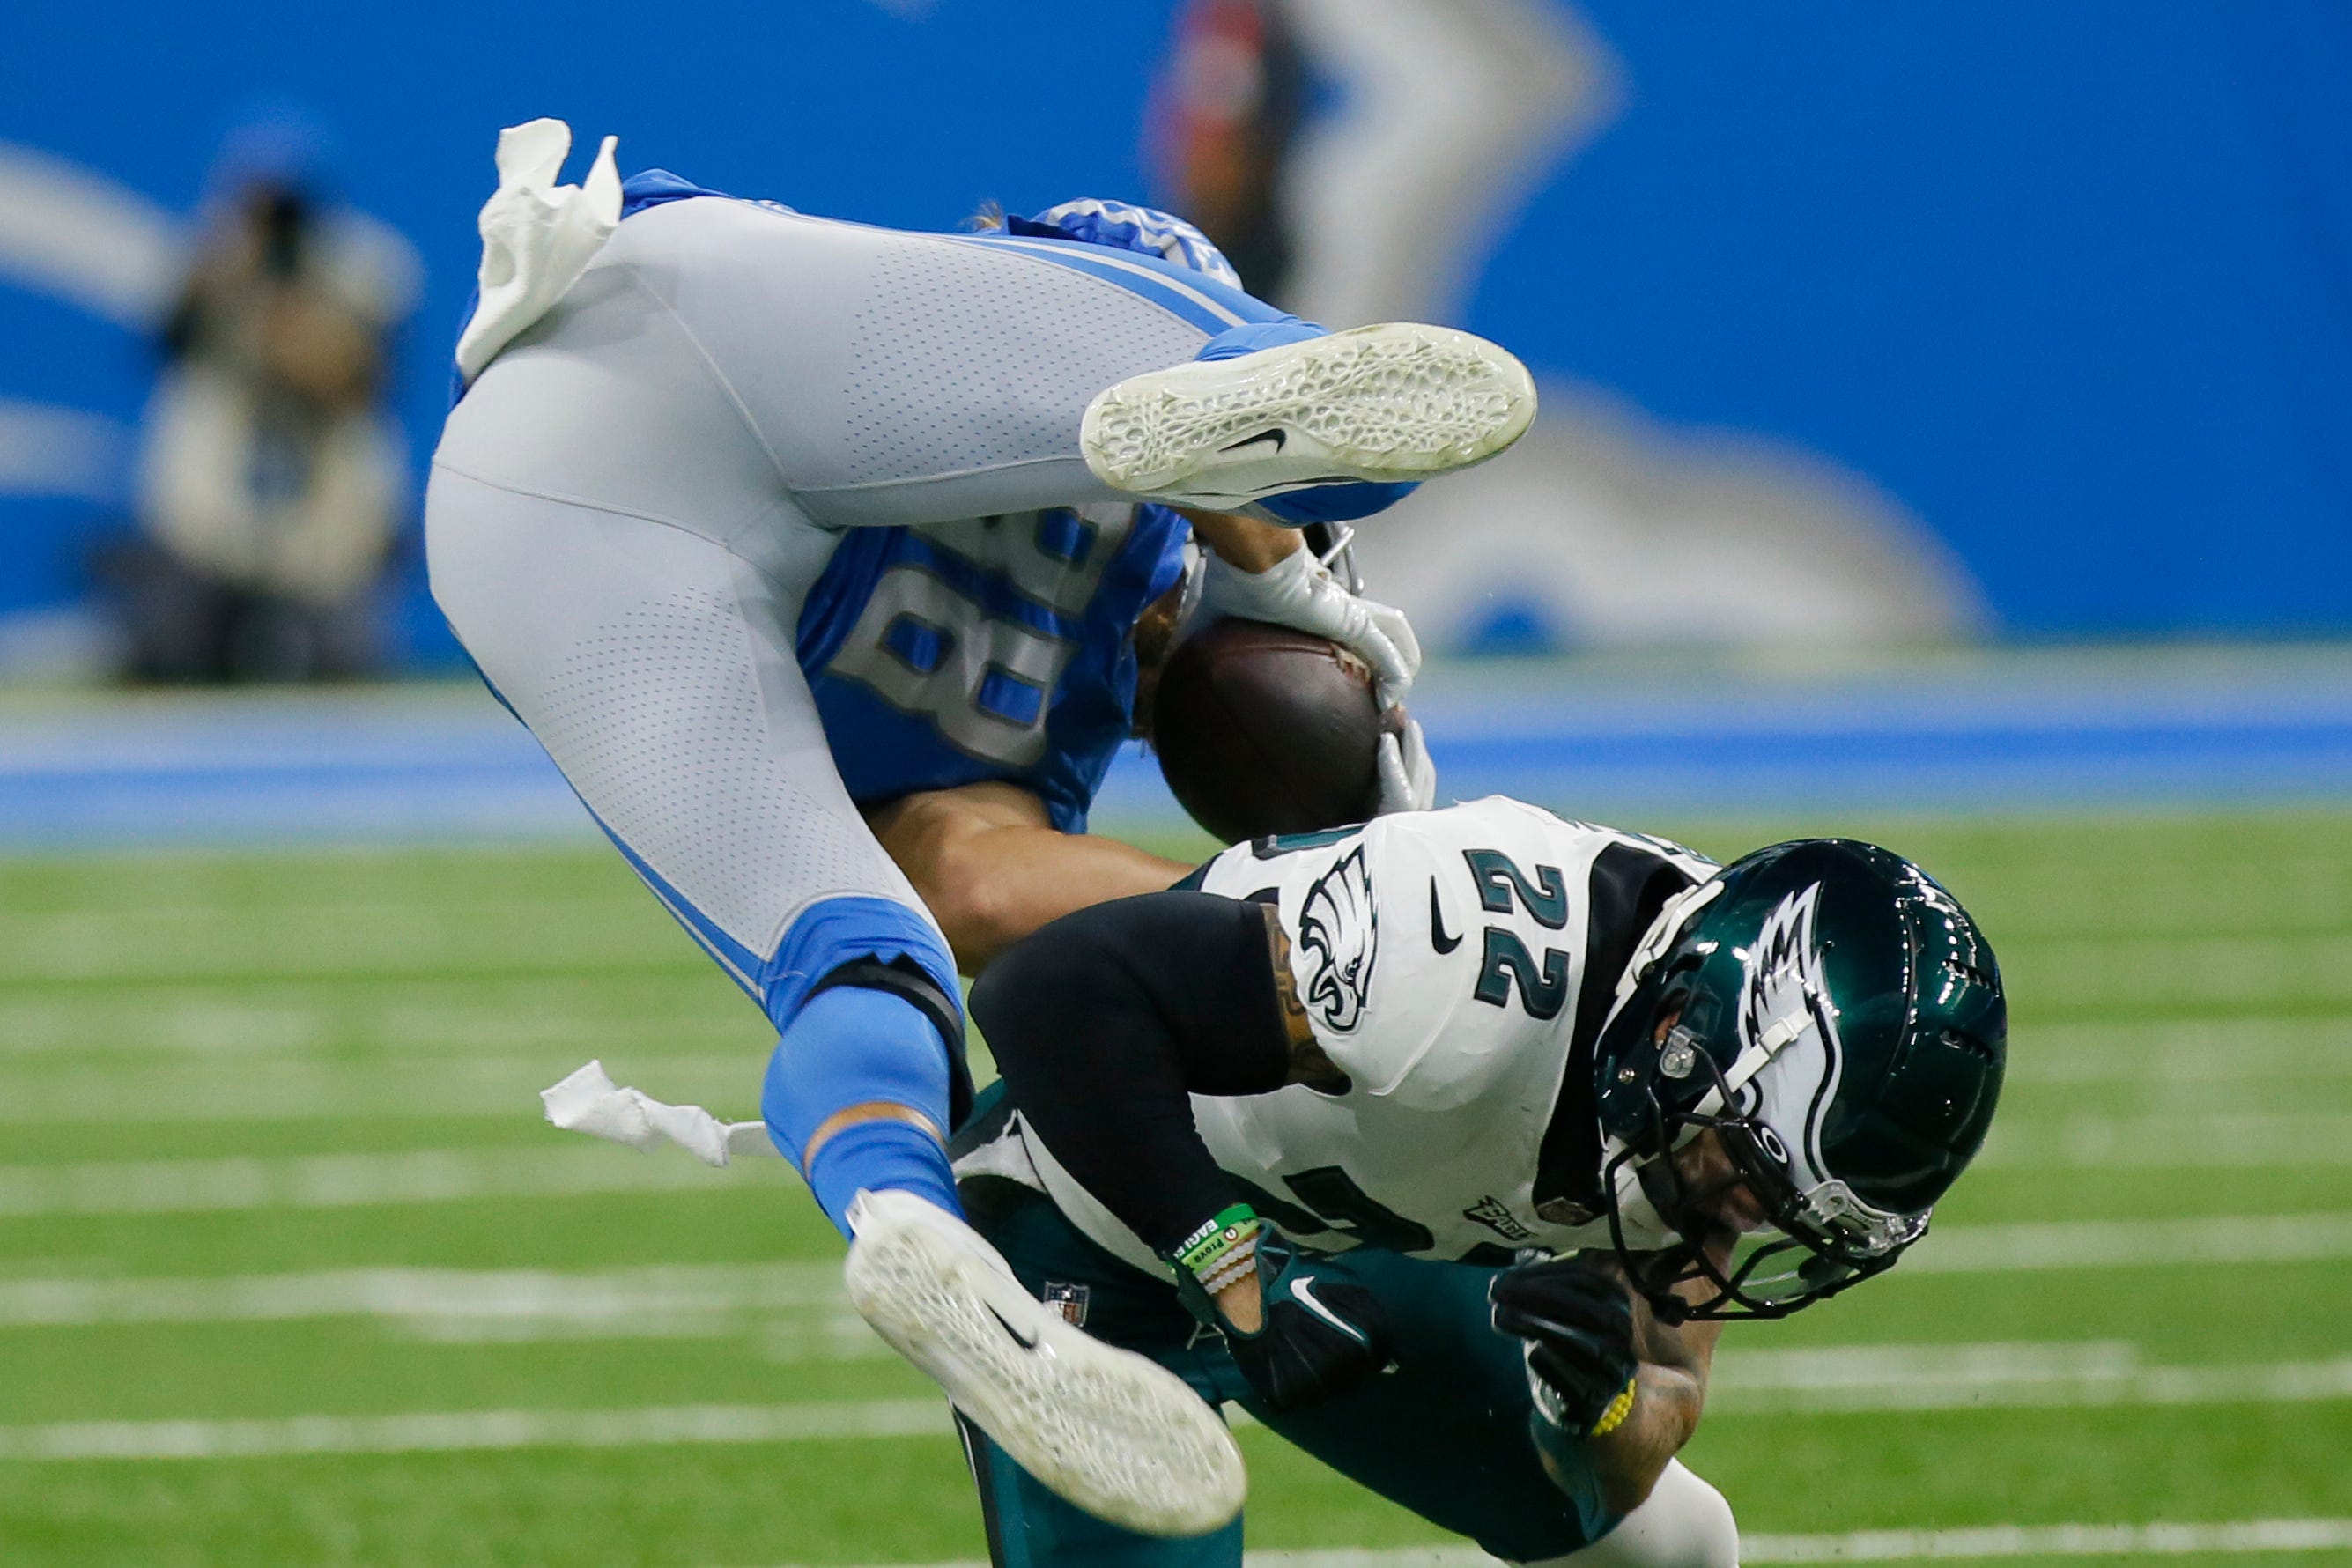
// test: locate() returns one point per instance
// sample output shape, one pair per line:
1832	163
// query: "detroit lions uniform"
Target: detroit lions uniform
772	514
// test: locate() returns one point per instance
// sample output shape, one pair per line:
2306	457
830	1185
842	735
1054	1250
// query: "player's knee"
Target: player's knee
852	1045
1685	1523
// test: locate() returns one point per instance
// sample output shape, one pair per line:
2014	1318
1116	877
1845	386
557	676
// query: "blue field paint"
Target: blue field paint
2012	734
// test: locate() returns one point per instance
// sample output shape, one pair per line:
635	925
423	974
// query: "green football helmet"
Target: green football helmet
1836	1018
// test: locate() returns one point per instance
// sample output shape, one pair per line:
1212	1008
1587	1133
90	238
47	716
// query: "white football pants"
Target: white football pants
1684	1524
630	503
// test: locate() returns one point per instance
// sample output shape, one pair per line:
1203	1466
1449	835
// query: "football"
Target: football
1261	729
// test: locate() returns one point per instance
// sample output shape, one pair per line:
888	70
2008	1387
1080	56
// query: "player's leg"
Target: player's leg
1027	1526
1445	1434
657	668
901	378
1684	1524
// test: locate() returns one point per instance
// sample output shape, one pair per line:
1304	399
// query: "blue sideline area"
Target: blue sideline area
1623	740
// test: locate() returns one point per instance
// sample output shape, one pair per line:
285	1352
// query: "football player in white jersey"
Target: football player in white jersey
1291	1127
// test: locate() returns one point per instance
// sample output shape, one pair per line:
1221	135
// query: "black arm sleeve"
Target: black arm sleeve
1104	1022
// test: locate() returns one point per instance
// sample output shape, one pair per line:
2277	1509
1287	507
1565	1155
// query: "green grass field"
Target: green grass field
291	1273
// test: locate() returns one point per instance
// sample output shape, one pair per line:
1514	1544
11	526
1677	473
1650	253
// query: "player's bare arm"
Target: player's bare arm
1242	541
1670	1394
993	867
1190	987
986	857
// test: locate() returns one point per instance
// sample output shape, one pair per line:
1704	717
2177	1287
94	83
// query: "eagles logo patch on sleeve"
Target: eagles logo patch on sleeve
1339	932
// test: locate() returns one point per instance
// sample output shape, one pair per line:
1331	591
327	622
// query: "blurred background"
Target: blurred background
1947	437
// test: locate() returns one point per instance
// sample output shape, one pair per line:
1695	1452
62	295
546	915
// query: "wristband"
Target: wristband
1613	1417
1222	1250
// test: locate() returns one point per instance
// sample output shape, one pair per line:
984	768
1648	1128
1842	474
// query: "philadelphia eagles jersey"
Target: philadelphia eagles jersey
1456	966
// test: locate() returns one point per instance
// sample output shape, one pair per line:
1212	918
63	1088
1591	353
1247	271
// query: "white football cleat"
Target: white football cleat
1386	403
1110	1431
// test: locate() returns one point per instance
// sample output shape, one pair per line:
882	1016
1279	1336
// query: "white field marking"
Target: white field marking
2019	1377
344	1181
2245	1537
2242	1139
518	1014
795	1312
660	1293
462	1431
2186	972
2131	1243
2207	1050
503	1088
354	940
710	1423
1987	1541
1762	1372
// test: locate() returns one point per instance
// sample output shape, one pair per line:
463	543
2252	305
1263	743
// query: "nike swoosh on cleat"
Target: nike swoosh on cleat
1278	436
1437	937
1026	1342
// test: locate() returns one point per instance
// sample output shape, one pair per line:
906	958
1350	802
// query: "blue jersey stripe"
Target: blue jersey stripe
1191	296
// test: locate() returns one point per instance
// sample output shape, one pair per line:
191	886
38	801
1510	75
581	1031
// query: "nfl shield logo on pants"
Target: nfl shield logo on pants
1070	1301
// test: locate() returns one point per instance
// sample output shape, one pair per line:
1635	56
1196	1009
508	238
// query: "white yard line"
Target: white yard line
493	1088
560	1168
616	1294
476	1430
2235	1140
2052	1540
117	1067
789	1311
1981	1543
2032	1380
194	1023
2129	1244
2189	973
2183	1050
440	1175
601	1295
2038	1382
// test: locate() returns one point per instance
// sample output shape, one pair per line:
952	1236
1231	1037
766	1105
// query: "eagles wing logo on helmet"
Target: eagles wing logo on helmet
1787	1005
1338	929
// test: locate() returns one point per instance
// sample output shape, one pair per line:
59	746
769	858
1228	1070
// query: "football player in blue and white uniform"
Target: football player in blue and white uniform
778	531
1513	1109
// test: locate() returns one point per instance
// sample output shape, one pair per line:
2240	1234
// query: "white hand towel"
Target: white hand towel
588	1101
538	237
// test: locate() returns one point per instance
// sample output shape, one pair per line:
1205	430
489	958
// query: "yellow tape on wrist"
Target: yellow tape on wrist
1619	1408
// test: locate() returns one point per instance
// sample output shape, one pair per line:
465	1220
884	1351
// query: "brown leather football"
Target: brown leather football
1261	729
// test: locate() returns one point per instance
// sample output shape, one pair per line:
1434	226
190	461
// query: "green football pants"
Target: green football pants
1444	1432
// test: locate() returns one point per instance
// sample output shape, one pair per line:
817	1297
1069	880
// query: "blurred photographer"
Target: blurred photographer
271	482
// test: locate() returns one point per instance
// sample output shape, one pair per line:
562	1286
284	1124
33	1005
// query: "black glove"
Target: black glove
1322	1333
1578	1322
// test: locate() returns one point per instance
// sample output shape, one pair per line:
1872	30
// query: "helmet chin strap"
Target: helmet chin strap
1644	1228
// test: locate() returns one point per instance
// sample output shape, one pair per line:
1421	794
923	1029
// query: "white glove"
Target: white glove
1300	592
538	237
1408	778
